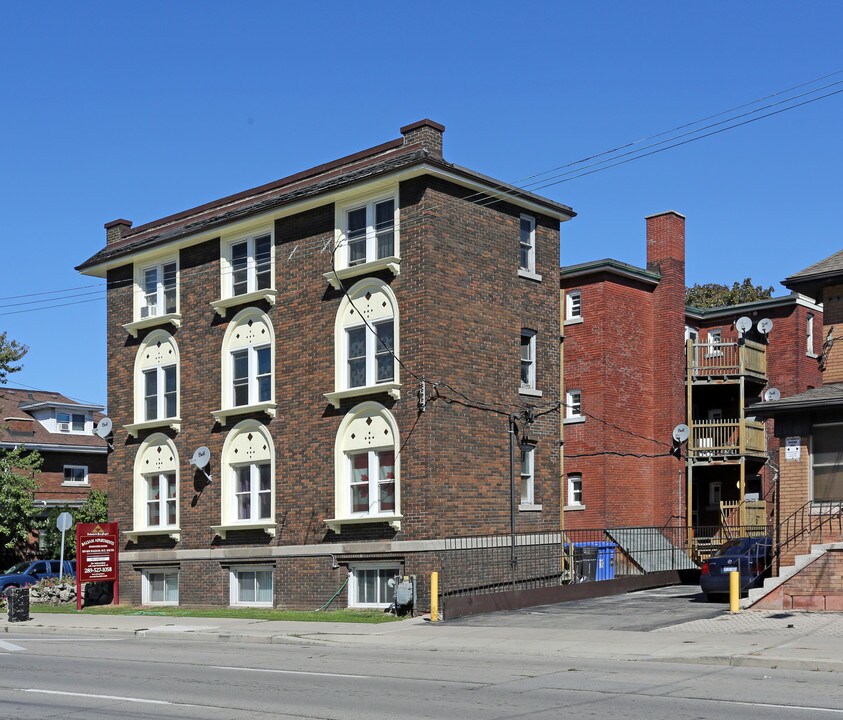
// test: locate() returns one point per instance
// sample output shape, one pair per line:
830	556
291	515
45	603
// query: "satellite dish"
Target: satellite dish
681	432
201	457
744	324
772	394
764	326
104	427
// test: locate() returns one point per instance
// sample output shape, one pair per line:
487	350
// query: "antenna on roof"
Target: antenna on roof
104	428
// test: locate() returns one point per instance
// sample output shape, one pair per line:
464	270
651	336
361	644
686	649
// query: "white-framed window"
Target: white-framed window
250	264
528	359
366	342
68	422
156	382
75	475
159	289
827	462
156	491
367	467
714	348
160	586
573	305
369	231
527	476
527	244
251	585
247	479
575	489
248	365
372	585
573	404
809	334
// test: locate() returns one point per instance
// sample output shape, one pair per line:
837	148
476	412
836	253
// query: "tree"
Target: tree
94	510
18	469
713	295
11	353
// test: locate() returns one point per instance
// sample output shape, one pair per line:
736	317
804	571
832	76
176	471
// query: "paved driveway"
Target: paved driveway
640	611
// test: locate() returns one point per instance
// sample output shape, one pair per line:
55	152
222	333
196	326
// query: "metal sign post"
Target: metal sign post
63	523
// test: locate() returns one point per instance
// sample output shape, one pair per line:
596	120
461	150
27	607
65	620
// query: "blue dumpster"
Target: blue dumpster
605	559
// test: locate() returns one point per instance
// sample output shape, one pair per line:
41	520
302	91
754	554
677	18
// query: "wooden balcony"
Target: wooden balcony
716	440
707	361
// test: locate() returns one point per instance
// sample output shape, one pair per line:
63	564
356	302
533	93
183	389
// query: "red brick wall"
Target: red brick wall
51	477
818	586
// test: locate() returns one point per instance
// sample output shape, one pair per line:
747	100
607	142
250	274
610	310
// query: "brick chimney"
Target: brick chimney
425	132
116	229
19	425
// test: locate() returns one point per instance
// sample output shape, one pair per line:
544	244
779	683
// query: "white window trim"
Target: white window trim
228	502
145	588
530	268
574	504
140	424
139	491
353	583
227	407
140	323
342	271
530	387
342	493
571	415
234	585
227	297
713	340
86	422
810	443
73	483
570	317
810	335
529	503
357	294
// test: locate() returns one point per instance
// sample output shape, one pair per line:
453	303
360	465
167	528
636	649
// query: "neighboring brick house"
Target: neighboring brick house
228	327
809	430
628	382
62	431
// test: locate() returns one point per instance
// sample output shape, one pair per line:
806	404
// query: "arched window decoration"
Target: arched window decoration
247	477
248	366
156	488
366	341
367	468
156	380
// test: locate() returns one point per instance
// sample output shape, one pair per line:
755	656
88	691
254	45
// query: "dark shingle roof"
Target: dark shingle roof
812	279
827	396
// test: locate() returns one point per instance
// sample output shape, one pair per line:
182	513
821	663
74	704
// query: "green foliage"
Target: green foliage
94	510
18	470
11	352
712	295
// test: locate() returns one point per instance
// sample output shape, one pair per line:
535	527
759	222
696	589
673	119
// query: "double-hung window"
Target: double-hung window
370	232
159	290
573	405
372	482
527	476
528	359
573	305
251	265
251	376
527	259
160	393
161	500
370	354
253	491
575	489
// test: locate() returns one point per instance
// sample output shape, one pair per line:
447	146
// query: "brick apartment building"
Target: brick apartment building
234	326
62	431
636	359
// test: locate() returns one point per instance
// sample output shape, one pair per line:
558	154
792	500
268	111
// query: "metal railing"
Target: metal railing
817	521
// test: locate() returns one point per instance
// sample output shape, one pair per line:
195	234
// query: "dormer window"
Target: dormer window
70	422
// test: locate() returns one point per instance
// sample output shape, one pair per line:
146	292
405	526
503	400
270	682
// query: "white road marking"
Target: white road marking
783	707
292	672
105	697
10	647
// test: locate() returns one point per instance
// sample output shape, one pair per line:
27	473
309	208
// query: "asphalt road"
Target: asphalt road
142	679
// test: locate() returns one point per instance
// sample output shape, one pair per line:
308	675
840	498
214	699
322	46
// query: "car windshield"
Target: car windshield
739	546
17	569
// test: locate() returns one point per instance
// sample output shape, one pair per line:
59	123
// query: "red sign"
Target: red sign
96	555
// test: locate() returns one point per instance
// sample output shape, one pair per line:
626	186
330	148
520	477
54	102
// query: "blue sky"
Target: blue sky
139	110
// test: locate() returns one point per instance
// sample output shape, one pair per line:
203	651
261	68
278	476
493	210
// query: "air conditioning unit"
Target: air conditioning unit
64	427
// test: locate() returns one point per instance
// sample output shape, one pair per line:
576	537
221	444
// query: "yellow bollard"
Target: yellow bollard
735	591
434	597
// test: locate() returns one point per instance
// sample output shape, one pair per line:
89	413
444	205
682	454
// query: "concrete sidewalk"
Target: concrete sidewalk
803	641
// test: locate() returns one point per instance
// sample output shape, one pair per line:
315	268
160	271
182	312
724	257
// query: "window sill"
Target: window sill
529	392
392	389
574	420
391	263
574	321
222	305
573	507
336	523
812	355
133	327
222	530
528	275
529	507
221	416
76	484
133	535
136	428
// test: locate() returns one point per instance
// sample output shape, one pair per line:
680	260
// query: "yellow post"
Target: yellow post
735	591
434	597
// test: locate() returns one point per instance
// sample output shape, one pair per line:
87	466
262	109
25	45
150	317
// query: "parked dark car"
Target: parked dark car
750	556
31	571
